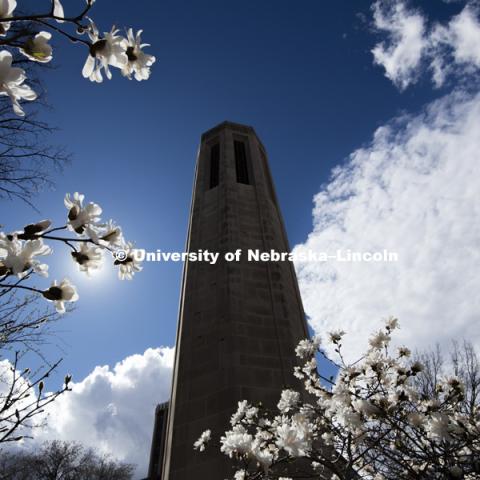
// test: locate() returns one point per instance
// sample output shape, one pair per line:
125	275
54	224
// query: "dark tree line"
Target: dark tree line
58	460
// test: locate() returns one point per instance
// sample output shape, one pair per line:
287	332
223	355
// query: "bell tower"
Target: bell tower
239	322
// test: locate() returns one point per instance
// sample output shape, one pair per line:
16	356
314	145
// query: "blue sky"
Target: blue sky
301	73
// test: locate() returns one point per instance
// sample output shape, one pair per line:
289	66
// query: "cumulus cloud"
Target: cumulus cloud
112	409
412	44
414	190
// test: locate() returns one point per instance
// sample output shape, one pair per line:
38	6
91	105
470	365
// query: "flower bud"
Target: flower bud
35	228
53	293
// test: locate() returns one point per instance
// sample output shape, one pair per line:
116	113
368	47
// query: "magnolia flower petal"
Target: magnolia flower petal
88	67
7	7
16	107
59	306
5	57
11	83
25	92
58	10
6	10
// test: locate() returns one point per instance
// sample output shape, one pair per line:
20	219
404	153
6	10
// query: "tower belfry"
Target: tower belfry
239	322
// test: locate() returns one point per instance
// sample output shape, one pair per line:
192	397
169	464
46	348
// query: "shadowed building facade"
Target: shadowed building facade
239	322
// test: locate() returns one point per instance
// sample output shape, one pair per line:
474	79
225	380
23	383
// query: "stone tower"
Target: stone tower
239	322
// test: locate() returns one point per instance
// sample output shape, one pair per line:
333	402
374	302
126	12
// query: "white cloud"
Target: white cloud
450	49
455	48
464	36
415	190
112	410
402	53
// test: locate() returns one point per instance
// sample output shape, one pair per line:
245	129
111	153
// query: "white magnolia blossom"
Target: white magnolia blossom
106	51
61	293
6	10
11	83
19	252
17	257
203	440
240	475
365	407
294	435
288	400
391	323
139	62
236	440
88	258
263	456
438	426
245	411
307	347
37	48
374	409
336	335
379	340
129	264
111	234
81	219
404	352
